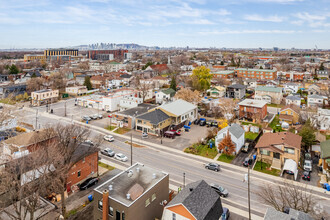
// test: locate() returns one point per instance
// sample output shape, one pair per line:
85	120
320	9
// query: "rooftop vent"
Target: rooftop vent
154	176
130	173
191	189
128	196
110	187
137	169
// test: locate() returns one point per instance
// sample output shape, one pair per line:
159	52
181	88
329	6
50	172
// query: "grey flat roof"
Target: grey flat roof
178	107
138	174
140	109
43	90
253	103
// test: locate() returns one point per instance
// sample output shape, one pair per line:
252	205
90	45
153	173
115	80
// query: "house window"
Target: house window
100	205
110	211
153	197
264	152
173	216
83	160
123	215
288	150
117	215
147	202
79	173
139	121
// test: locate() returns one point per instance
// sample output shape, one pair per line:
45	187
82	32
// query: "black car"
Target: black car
212	166
202	123
197	121
225	213
220	190
214	124
247	162
88	183
306	176
208	124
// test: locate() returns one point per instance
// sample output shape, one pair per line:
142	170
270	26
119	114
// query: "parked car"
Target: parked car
214	124
225	213
197	121
245	148
289	172
144	135
169	134
86	118
308	165
89	142
121	157
100	116
94	117
108	152
220	190
108	138
88	183
212	166
306	176
177	132
202	122
208	124
247	161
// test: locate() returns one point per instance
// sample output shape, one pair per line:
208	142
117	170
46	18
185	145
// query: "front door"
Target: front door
276	155
117	215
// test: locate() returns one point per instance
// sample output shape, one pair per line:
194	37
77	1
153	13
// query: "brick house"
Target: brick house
256	73
251	109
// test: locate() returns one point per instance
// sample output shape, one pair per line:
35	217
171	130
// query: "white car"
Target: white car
89	142
108	138
121	157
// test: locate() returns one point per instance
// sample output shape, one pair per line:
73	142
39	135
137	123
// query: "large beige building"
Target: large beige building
76	90
44	96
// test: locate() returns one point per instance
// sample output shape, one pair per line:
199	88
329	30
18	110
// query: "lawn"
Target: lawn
110	128
202	150
250	123
226	158
8	101
251	136
122	130
276	121
266	169
275	105
328	137
106	166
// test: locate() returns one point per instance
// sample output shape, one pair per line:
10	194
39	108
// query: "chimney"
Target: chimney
105	205
128	196
191	189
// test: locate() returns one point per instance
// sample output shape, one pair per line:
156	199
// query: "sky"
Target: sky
165	23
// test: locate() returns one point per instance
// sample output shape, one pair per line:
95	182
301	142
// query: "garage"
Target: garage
291	166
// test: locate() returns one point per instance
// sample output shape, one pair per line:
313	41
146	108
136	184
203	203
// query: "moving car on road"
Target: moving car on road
121	157
108	152
89	142
212	166
88	183
144	135
100	116
220	190
108	138
225	213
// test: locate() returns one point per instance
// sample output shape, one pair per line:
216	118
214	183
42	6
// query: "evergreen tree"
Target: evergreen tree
88	83
173	83
222	63
321	67
13	69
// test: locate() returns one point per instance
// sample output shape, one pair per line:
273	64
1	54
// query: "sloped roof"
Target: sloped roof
27	139
237	86
234	129
292	107
288	138
178	107
268	89
293	97
200	199
154	117
169	91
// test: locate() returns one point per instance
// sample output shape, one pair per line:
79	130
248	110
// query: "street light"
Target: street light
184	179
131	148
247	179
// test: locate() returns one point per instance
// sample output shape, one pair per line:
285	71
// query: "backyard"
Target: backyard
265	168
275	124
251	135
202	150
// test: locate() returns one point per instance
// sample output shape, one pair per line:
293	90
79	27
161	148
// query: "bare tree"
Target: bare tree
227	108
188	95
84	66
57	81
144	89
35	84
281	196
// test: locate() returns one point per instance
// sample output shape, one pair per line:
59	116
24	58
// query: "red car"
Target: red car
177	132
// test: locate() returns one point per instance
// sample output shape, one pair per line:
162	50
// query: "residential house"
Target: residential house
135	193
290	114
76	90
256	73
128	102
322	74
321	120
236	91
314	89
325	157
44	96
164	96
127	118
196	201
291	88
250	83
269	94
237	135
112	101
289	214
276	148
155	122
113	66
12	89
252	109
226	74
217	91
316	100
180	111
293	99
158	68
160	81
98	81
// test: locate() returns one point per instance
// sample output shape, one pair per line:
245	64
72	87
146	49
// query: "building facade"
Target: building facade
251	109
256	73
44	96
92	54
267	93
58	52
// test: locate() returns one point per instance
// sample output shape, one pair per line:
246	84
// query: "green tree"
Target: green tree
34	75
88	83
222	63
147	64
173	83
201	78
13	69
261	67
321	67
307	134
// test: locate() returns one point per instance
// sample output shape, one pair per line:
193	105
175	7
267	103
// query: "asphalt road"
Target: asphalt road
178	164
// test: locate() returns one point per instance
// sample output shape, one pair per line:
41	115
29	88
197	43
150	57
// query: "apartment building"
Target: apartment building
227	74
33	57
256	73
93	54
135	193
269	94
44	96
58	52
252	109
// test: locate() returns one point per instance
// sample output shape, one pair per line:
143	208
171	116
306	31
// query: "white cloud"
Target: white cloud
309	17
255	17
216	32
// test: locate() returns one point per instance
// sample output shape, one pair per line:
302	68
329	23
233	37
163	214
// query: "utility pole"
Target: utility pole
249	192
37	119
65	108
131	149
184	179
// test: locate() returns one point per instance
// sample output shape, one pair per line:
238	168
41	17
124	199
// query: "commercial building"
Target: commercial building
76	90
95	54
135	193
33	57
44	96
256	73
58	52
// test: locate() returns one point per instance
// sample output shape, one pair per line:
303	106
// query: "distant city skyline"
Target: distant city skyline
194	23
